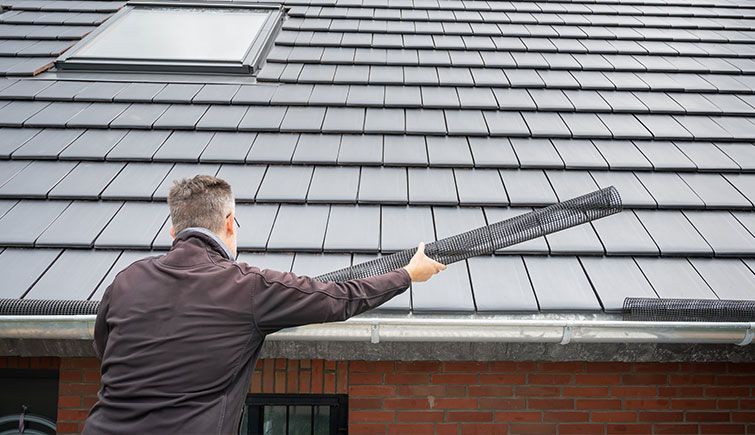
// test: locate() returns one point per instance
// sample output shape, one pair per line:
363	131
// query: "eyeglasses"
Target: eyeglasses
238	225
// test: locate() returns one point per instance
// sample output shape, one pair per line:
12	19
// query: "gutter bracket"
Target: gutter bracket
375	333
566	337
749	335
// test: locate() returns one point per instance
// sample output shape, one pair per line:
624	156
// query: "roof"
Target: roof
378	123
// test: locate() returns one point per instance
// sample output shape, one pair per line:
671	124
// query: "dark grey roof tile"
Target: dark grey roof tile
9	169
245	180
361	149
353	229
669	190
181	116
621	102
334	184
101	91
593	80
317	264
505	124
285	184
622	154
228	147
272	148
254	94
623	234
75	274
139	116
86	180
448	151
138	145
439	97
403	96
570	184
706	156
514	99
54	115
216	94
723	232
62	90
426	121
420	75
181	171
488	77
560	284
183	146
536	153
260	118
432	186
615	279
23	224
139	92
744	183
317	148
673	233
384	121
304	119
389	75
405	150
291	94
22	268
585	125
729	279
97	115
92	145
221	118
528	187
736	127
328	95
455	76
664	155
79	224
405	227
383	185
177	93
137	181
485	273
23	89
343	120
715	191
633	193
546	125
13	138
257	221
704	128
450	291
357	74
674	278
587	101
299	227
134	226
579	154
492	152
480	187
576	240
550	100
36	179
498	59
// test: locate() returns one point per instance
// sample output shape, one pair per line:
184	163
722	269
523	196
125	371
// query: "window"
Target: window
31	396
178	37
298	414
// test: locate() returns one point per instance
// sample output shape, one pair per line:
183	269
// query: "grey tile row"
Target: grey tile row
307	46
26	48
505	77
65	5
24	66
39	17
355	120
43	32
378	185
536	283
374	228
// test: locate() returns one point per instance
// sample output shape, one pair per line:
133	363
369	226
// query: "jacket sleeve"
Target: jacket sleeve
283	300
101	329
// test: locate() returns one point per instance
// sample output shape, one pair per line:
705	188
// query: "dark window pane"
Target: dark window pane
322	420
300	420
275	420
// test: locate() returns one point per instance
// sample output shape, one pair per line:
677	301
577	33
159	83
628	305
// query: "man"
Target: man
179	334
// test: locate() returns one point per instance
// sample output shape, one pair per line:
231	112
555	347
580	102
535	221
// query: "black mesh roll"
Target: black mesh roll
44	307
488	239
688	310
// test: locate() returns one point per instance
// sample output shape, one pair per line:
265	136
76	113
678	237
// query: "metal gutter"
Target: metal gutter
416	328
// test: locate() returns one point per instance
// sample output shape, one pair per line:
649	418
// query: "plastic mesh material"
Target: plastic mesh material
488	239
688	310
44	307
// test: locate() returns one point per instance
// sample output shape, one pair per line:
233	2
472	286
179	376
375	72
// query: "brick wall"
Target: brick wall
496	397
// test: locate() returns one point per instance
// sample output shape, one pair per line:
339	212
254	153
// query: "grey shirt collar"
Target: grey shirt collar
209	234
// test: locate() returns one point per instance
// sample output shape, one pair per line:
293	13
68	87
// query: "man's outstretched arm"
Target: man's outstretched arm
286	299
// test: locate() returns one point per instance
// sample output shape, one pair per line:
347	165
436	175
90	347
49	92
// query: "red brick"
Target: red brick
485	390
64	428
372	390
532	428
419	416
580	429
417	366
268	376
613	416
454	378
646	403
412	429
720	429
645	379
747	403
69	401
566	416
498	403
585	391
727	391
512	366
256	384
550	403
679	392
330	365
292	376
407	378
707	417
642	429
598	404
608	367
634	391
735	380
661	416
92	376
687	404
483	429
78	389
366	379
454	403
360	403
422	390
464	366
743	417
70	375
305	381
675	429
280	363
516	416
469	416
417	403
597	379
503	378
537	391
561	366
371	366
447	429
317	376
656	367
342	377
372	416
548	379
367	429
280	381
72	414
691	379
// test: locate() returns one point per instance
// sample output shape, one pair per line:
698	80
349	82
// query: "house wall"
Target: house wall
488	397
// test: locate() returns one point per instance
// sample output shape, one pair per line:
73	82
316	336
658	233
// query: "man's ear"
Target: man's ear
172	232
230	224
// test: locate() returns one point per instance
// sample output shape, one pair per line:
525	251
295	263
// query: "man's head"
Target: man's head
203	201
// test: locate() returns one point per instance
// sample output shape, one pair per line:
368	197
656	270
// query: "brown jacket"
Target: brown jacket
179	334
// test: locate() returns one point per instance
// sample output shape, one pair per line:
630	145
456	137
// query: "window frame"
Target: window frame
252	61
253	416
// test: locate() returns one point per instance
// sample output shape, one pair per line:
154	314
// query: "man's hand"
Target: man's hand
421	267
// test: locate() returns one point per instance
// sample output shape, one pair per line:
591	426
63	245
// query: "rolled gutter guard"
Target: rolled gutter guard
414	328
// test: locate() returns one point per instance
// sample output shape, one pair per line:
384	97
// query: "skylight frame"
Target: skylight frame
252	60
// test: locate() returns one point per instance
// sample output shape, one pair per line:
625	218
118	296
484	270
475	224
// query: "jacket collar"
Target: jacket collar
209	237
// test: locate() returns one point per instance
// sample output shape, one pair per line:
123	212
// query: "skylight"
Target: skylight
174	37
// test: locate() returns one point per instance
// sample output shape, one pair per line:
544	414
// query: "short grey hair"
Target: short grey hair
203	201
